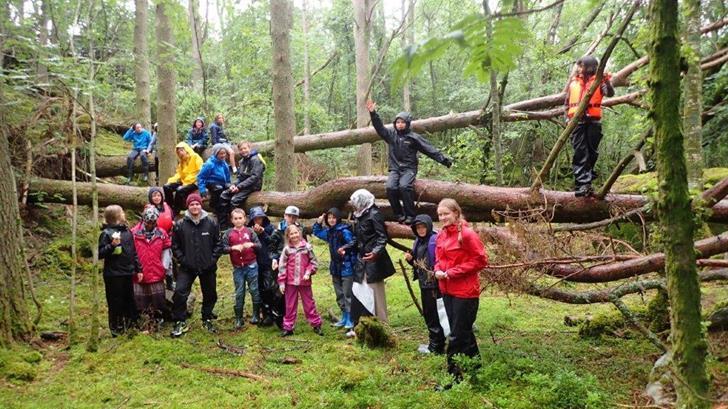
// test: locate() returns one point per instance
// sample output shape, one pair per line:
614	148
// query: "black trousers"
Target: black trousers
120	300
435	332
175	194
585	140
228	202
461	313
208	284
401	185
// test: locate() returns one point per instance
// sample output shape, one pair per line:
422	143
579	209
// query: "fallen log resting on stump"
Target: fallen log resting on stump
479	202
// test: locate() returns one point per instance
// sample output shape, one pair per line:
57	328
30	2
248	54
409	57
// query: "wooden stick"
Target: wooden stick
621	167
226	372
409	287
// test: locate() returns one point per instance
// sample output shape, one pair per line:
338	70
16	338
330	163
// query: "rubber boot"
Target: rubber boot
129	170
145	171
255	318
341	322
393	196
348	324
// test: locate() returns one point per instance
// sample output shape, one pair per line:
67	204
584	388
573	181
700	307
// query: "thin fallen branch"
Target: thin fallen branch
621	166
622	307
226	372
409	288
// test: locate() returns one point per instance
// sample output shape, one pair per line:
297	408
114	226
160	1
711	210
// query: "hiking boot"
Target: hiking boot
409	220
180	327
351	334
401	219
286	333
267	321
318	331
209	326
239	323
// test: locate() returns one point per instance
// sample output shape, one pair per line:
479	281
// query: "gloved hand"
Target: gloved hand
447	162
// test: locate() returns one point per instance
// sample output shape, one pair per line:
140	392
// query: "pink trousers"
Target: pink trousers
309	306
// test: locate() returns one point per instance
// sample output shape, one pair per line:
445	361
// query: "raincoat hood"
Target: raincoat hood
422	219
155	189
215	150
257	212
337	214
407	117
199	119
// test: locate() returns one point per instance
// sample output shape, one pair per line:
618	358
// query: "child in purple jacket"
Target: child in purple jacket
295	268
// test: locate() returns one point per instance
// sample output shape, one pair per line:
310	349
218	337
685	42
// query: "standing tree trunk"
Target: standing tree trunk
141	64
42	68
673	209
167	108
72	335
693	95
495	103
306	72
409	14
281	22
93	340
361	43
15	322
194	21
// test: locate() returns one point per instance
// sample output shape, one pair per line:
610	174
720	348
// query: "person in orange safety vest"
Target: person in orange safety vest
588	132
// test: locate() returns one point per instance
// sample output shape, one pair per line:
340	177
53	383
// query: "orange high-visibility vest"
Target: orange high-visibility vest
577	89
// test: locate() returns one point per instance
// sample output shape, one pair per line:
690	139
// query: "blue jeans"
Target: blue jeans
242	275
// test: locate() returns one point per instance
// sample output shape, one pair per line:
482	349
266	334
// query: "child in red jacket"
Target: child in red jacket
150	243
297	265
460	257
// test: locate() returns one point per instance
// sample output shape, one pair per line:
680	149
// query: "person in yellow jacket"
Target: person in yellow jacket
184	181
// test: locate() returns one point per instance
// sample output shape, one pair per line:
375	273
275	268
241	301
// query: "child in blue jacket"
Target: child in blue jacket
332	230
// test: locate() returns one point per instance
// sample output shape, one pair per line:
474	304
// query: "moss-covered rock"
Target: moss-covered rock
610	324
374	333
20	371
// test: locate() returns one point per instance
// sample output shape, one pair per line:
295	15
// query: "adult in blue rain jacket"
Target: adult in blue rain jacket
214	178
142	142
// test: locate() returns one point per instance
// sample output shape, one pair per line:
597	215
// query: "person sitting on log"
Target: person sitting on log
213	180
141	141
588	132
217	135
403	146
250	179
184	181
197	136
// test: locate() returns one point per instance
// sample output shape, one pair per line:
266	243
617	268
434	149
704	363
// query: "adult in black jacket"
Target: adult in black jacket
196	246
404	146
373	264
250	179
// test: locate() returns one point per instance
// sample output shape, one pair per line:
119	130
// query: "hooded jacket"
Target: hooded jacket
337	236
149	249
140	140
217	134
263	255
461	261
423	249
118	263
196	244
214	171
187	169
295	263
404	146
166	215
195	137
370	236
250	172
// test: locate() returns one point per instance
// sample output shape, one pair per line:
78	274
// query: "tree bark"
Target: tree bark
197	68
166	104
306	71
285	123
93	340
674	209
693	95
42	68
495	103
141	64
478	201
15	322
361	44
408	13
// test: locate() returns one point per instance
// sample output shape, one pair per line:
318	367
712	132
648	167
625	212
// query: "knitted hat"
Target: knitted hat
150	214
194	197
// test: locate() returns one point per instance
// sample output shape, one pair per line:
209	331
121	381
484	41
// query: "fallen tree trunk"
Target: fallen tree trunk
479	202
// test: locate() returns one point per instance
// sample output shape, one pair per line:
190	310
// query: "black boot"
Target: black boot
145	171
129	170
255	318
393	196
408	202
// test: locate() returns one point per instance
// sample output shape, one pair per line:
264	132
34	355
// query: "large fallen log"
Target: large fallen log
479	202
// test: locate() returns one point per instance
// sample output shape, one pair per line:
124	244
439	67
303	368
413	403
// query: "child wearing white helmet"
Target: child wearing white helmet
277	239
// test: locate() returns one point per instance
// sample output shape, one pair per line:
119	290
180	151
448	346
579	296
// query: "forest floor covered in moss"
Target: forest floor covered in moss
530	358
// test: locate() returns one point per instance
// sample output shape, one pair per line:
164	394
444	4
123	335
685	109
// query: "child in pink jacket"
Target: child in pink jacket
296	266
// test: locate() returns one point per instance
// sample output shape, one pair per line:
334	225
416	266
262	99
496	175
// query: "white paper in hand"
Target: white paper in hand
365	295
442	315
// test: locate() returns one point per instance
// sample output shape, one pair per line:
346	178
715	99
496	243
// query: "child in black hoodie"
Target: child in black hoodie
116	247
422	258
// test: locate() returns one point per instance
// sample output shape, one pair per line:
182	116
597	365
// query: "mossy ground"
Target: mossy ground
647	182
530	359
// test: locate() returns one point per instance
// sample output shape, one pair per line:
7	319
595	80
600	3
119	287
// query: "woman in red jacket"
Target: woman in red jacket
460	257
150	242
